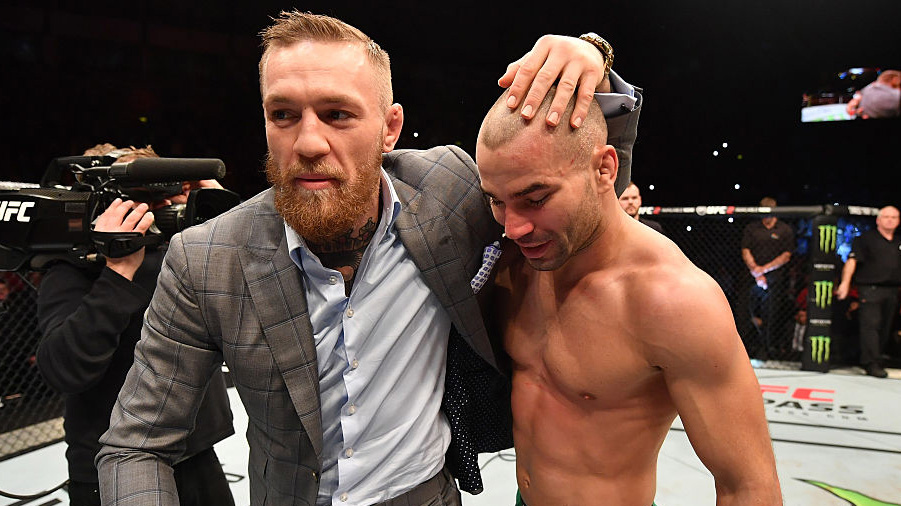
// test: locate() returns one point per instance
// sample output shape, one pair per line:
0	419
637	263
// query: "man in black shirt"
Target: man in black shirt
90	316
875	265
630	201
766	246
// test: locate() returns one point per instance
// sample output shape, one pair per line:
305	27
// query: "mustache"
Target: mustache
301	168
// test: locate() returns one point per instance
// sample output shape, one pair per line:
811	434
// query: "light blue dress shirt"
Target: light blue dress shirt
381	354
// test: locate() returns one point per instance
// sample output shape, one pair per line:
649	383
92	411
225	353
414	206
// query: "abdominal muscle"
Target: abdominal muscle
582	448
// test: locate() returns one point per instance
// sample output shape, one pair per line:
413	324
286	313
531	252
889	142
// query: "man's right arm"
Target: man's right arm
82	315
81	319
847	274
158	403
710	379
748	258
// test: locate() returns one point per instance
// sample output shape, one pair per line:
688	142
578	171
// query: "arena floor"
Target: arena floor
837	439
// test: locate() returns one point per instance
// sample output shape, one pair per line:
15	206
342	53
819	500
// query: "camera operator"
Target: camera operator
90	317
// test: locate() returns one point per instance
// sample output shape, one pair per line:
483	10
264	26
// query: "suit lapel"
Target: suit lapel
277	292
424	231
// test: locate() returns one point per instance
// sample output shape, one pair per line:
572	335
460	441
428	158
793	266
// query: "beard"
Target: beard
321	216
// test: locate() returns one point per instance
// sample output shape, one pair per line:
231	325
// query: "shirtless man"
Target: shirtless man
611	329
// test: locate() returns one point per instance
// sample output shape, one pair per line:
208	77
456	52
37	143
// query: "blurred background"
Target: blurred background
724	84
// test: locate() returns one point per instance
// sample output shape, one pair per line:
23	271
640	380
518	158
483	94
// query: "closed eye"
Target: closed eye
539	202
493	202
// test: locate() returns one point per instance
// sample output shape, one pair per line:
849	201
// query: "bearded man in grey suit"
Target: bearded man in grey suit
331	296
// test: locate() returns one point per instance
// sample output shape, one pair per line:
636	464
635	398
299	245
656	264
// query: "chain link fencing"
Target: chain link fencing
773	323
30	412
796	321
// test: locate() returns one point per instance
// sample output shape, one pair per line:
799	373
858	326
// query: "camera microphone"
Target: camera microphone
161	170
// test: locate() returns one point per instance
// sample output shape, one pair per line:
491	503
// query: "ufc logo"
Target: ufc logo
10	208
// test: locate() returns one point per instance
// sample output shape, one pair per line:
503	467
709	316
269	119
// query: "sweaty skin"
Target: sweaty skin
591	403
612	332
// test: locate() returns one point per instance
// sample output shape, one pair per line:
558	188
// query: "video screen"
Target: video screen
859	93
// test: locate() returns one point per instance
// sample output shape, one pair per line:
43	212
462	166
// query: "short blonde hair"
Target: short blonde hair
123	154
295	26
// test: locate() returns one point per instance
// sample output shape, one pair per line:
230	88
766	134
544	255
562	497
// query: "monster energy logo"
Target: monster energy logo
823	292
819	349
853	497
827	238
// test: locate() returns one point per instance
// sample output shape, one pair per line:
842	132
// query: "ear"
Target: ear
605	163
394	122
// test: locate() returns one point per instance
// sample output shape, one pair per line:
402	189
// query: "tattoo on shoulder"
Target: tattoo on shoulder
345	252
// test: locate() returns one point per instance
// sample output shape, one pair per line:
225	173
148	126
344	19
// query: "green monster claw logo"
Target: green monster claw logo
827	238
819	349
853	498
823	290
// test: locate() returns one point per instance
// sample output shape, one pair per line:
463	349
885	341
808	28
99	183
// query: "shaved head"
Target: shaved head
502	124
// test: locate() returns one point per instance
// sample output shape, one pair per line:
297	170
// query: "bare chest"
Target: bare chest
578	347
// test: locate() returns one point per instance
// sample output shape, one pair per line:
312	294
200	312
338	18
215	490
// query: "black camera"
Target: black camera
51	221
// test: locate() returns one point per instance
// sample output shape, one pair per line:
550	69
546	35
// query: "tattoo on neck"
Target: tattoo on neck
345	252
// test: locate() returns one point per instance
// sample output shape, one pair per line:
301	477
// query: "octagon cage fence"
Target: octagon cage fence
797	325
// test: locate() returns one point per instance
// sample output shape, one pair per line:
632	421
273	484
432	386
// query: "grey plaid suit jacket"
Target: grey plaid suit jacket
228	290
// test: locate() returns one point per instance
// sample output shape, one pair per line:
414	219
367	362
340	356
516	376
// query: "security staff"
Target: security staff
875	265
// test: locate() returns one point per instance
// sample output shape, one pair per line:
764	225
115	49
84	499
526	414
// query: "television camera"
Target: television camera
41	223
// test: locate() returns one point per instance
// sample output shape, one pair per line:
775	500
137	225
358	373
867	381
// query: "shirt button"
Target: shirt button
352	409
315	476
349	452
354	364
332	280
350	313
343	497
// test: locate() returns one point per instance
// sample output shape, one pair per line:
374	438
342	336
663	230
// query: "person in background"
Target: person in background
879	99
90	317
630	201
766	248
874	264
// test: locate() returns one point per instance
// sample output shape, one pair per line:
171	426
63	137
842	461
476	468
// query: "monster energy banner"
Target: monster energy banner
820	294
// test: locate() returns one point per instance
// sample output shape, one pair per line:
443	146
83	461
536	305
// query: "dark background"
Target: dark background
182	76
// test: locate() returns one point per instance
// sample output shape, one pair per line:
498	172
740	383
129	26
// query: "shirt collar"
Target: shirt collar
390	210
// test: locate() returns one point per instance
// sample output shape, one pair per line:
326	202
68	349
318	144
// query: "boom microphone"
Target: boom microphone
163	170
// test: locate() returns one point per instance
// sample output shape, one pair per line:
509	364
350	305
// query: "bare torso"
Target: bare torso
590	409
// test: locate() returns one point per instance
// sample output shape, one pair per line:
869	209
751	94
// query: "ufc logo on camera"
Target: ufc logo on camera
10	208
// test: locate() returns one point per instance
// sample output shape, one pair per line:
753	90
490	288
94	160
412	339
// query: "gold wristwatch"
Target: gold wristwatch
603	46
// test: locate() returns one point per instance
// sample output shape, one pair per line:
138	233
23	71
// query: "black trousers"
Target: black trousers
878	305
775	309
199	479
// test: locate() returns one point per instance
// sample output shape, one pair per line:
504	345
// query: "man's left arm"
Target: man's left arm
716	392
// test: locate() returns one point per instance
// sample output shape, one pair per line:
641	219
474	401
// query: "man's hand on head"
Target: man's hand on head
577	64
